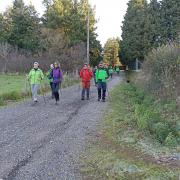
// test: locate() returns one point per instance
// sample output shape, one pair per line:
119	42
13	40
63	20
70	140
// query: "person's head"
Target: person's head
101	65
36	65
56	65
52	66
85	66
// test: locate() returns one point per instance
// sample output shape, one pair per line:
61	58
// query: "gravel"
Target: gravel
43	142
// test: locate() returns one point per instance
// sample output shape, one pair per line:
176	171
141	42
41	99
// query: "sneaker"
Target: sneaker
99	99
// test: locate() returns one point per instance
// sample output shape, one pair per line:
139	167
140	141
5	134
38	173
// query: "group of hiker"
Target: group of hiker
55	78
54	75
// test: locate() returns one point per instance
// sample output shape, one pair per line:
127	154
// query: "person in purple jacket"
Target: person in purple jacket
57	77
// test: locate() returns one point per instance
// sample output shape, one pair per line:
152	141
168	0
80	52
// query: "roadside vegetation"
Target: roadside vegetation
138	139
16	87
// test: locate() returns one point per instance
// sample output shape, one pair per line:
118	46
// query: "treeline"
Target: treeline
147	26
58	35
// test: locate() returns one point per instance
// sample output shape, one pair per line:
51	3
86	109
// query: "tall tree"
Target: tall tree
170	15
154	20
25	29
111	51
135	40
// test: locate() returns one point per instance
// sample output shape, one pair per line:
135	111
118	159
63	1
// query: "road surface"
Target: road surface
43	142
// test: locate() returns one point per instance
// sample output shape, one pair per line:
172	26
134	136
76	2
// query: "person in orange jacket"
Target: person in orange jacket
86	74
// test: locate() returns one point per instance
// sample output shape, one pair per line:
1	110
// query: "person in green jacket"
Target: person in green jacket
101	78
35	77
117	69
50	79
111	71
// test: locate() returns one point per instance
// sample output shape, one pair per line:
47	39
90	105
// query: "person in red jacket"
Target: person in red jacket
86	74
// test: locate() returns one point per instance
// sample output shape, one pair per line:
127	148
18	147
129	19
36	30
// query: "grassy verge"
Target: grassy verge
127	147
15	87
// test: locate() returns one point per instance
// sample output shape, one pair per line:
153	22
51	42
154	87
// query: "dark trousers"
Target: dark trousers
56	90
102	90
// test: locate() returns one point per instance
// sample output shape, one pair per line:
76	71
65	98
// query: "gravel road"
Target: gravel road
43	142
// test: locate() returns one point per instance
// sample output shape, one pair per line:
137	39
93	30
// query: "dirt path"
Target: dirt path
44	141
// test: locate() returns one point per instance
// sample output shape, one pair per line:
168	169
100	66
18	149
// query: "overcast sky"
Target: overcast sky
110	14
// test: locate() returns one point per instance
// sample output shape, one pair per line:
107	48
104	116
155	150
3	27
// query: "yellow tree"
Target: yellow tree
111	52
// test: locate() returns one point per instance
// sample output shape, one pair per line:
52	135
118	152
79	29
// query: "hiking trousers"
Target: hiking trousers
34	89
102	90
85	89
55	87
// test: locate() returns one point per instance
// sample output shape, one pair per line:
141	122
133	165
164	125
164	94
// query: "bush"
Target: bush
162	71
161	131
157	117
170	140
1	101
14	95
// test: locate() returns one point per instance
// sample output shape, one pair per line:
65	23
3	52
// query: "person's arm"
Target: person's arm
81	73
91	73
96	75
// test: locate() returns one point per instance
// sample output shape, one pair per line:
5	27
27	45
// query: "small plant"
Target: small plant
170	140
161	131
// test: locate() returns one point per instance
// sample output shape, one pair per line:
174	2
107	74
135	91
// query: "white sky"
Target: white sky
110	14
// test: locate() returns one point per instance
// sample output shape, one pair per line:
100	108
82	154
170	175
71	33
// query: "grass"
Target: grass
16	87
121	149
11	83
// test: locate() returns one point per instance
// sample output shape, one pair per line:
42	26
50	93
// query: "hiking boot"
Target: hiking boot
99	99
82	99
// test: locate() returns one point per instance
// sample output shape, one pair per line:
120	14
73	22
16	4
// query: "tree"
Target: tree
154	20
170	13
135	32
111	51
25	28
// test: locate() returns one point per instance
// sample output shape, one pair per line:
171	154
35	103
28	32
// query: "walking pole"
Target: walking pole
30	89
109	96
43	95
60	89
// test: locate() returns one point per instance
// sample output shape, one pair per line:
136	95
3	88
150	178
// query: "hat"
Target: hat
36	63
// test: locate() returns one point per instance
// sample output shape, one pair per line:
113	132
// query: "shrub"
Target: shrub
14	95
161	131
170	140
161	70
1	101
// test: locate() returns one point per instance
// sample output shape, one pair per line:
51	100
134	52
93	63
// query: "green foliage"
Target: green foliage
149	114
161	131
163	67
111	51
13	95
170	140
25	28
70	16
153	24
135	45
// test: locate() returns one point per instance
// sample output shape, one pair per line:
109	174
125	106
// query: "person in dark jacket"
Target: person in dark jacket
57	77
50	79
